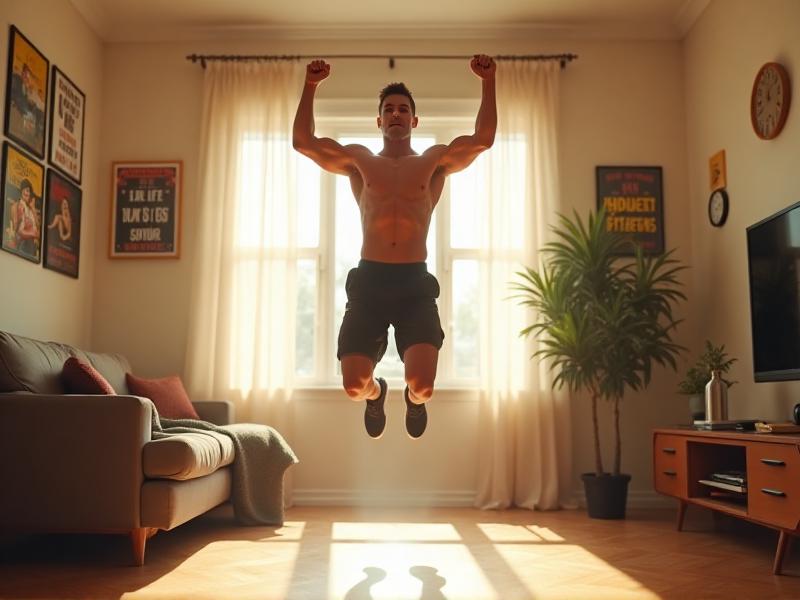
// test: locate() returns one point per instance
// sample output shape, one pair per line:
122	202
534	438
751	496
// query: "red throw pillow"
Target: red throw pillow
79	377
167	393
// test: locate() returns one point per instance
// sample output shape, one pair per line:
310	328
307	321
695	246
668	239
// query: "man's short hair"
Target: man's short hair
400	89
25	183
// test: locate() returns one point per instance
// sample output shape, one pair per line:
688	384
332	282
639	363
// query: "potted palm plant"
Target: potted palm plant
602	321
693	385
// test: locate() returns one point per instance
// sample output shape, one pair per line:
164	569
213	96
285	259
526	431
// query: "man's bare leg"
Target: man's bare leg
420	361
360	385
357	378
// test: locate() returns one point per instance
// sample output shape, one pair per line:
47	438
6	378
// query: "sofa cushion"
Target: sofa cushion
28	365
167	393
113	367
80	377
186	455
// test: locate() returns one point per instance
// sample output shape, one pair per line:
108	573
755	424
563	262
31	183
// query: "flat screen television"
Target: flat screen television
773	256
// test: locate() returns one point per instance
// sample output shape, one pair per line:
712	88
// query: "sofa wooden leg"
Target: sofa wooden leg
139	538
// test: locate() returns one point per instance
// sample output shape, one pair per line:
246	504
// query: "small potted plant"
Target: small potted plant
713	358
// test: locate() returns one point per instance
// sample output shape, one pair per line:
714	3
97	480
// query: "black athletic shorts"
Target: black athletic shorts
379	294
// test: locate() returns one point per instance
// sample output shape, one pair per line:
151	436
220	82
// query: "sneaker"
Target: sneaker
416	417
374	416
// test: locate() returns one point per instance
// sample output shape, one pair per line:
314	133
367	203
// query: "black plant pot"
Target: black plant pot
606	495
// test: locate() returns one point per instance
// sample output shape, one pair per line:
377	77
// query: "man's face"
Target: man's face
396	120
26	194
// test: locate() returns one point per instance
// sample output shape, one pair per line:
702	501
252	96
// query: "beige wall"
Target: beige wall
722	54
622	103
35	301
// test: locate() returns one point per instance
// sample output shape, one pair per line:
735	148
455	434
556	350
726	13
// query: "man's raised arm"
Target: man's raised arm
464	149
327	153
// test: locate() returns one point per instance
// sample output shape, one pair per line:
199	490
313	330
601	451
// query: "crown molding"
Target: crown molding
688	14
617	30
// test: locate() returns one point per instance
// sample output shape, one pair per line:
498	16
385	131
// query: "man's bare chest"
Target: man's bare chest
407	176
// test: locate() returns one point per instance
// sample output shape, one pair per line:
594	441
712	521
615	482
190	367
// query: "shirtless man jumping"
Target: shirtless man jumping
396	191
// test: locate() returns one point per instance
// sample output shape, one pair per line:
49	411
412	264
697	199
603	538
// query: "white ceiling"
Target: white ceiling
163	20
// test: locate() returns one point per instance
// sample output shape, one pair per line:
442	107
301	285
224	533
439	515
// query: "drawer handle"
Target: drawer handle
670	472
772	492
773	463
669	450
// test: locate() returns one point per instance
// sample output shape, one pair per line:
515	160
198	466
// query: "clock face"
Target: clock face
718	207
769	103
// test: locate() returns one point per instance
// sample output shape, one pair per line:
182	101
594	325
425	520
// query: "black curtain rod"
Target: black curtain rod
204	58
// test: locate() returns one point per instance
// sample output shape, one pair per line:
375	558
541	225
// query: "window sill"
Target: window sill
328	392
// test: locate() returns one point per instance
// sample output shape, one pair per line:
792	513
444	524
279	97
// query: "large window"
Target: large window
329	244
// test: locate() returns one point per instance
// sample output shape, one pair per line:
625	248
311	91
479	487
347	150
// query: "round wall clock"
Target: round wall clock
718	207
769	101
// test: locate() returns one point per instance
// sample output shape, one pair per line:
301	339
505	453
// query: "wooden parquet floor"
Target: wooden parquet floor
427	554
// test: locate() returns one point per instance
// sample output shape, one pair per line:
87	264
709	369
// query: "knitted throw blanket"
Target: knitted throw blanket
262	456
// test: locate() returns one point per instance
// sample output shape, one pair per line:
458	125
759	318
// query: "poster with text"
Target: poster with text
67	107
26	93
23	180
146	209
62	234
633	200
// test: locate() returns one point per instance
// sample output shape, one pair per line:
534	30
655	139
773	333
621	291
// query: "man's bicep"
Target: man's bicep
460	153
330	155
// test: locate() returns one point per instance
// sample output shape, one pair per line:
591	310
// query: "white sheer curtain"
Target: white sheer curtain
242	321
525	446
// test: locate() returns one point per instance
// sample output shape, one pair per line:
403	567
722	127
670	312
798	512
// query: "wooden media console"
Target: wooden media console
770	462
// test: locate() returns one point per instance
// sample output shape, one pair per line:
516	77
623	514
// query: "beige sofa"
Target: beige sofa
75	463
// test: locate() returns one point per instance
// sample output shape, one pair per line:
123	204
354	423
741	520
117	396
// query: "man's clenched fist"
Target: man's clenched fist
317	70
483	66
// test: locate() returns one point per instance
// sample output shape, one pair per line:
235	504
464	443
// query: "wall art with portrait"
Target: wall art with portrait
26	93
23	182
62	233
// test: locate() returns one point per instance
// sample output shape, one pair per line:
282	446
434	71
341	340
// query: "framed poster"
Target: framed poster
62	225
633	199
26	93
23	180
67	108
146	209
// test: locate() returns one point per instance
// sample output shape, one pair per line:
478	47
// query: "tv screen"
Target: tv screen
773	254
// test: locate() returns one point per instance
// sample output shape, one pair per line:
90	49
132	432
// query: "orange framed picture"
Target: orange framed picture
26	93
146	209
716	171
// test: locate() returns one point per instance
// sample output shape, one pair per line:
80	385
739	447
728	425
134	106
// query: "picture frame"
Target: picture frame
67	110
62	225
717	174
146	205
27	78
22	187
634	201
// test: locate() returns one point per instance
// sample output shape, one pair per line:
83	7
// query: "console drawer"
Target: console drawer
773	484
669	465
